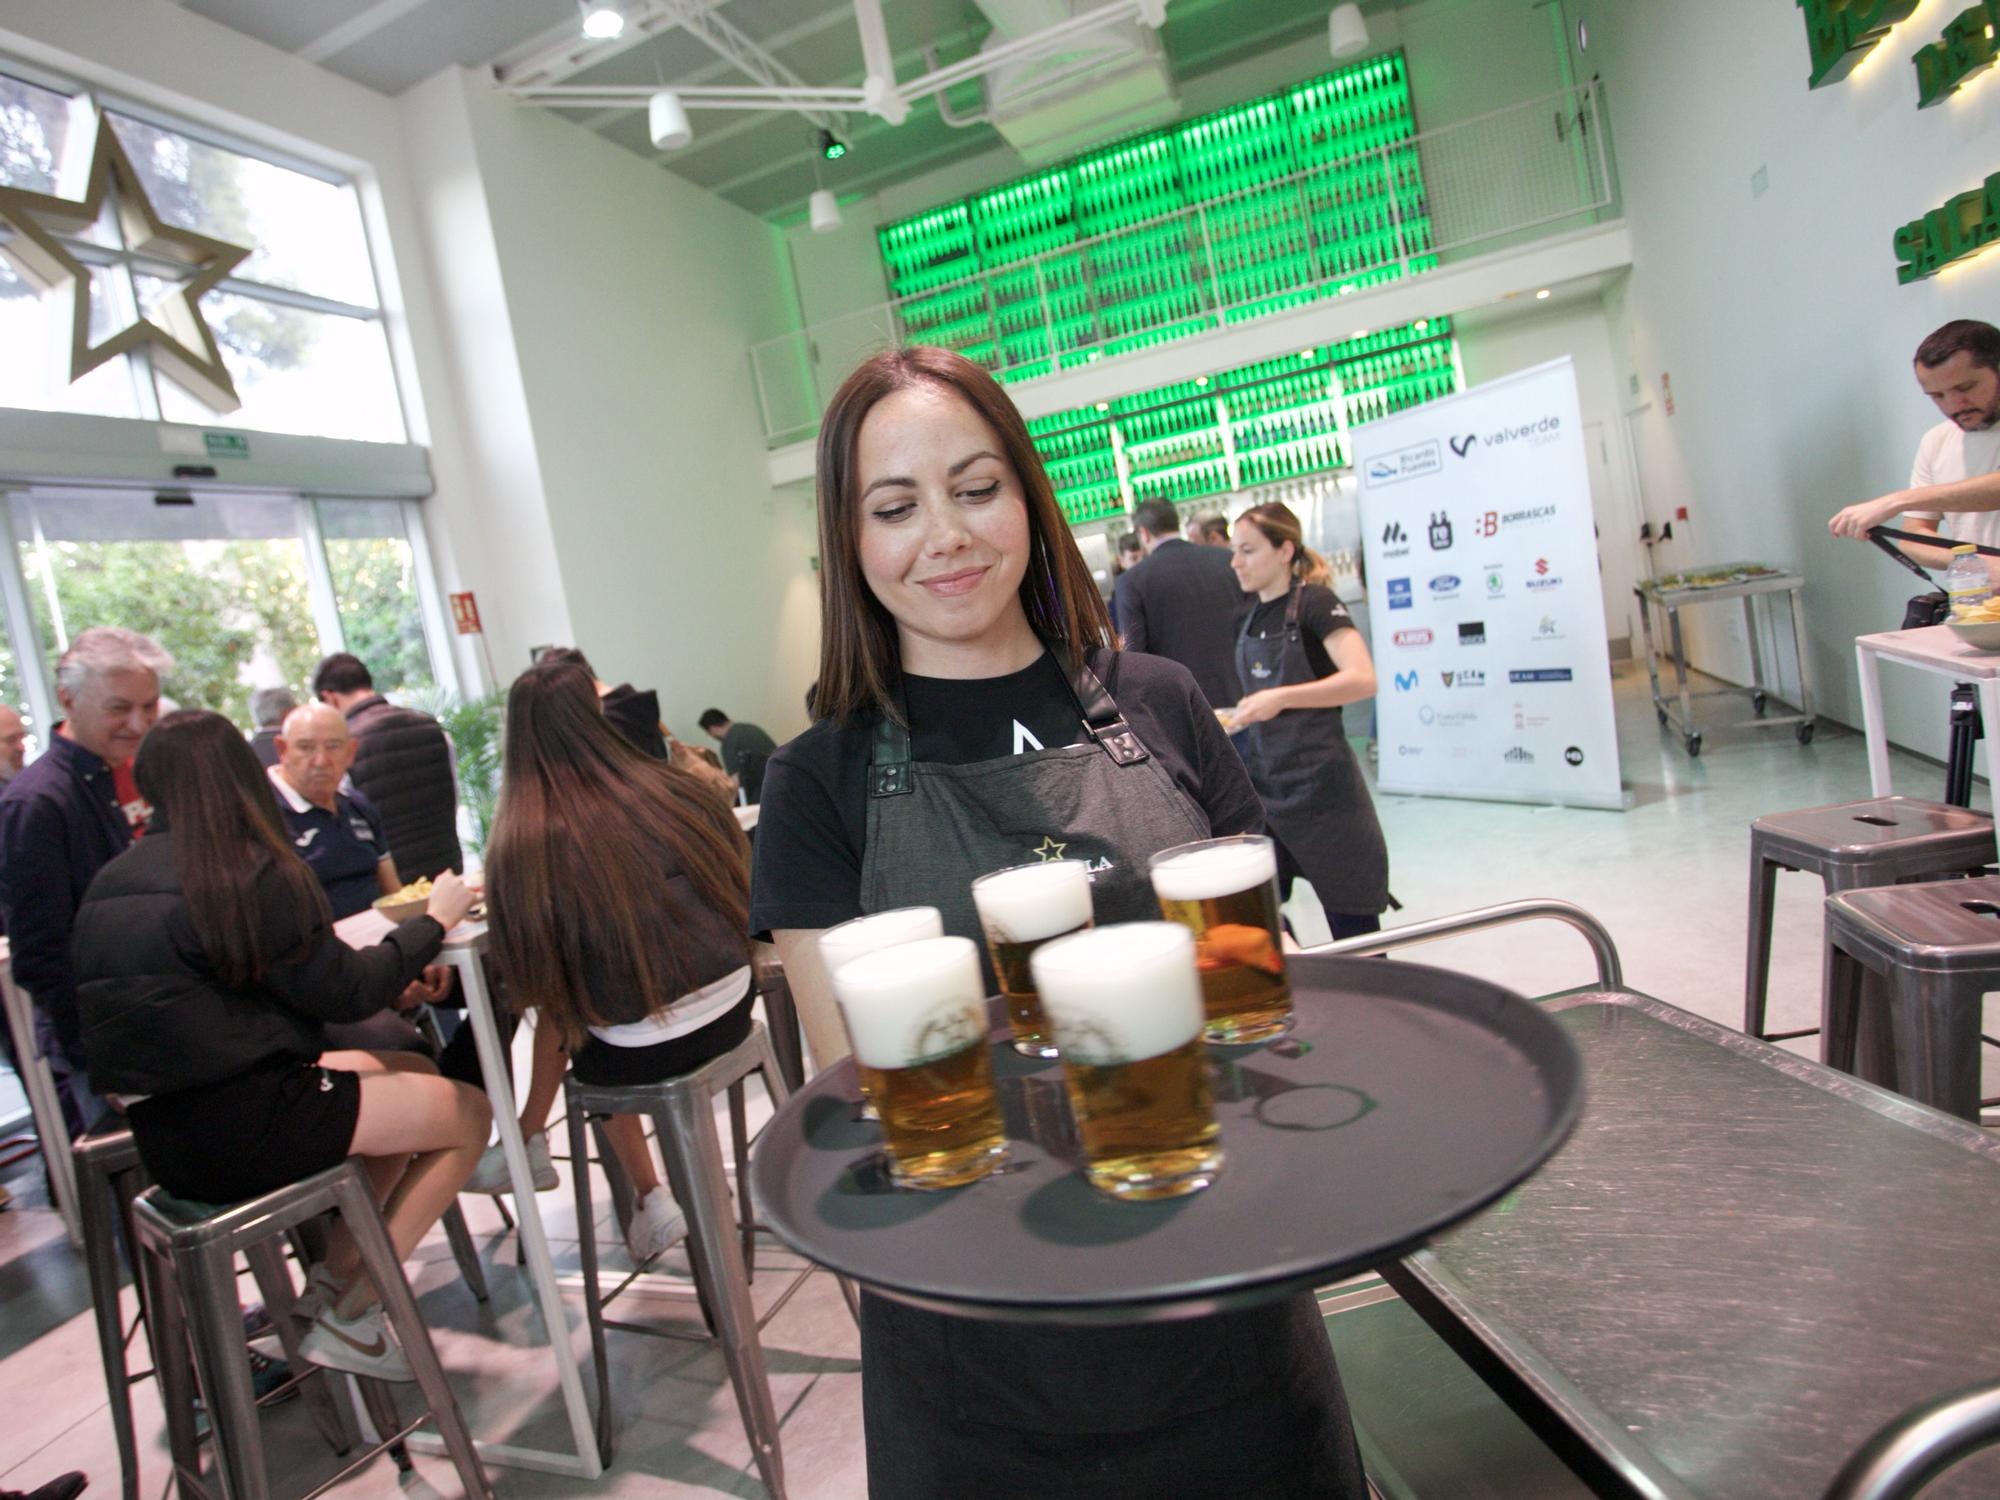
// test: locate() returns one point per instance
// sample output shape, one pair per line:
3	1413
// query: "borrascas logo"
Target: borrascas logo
1414	637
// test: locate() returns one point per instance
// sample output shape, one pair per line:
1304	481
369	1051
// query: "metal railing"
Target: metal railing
1516	174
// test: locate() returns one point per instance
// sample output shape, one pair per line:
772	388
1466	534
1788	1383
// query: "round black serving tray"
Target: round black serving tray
1404	1099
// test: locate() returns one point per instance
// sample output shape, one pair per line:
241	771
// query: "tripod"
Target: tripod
1964	727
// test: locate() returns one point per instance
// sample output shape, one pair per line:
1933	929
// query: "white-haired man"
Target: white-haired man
63	819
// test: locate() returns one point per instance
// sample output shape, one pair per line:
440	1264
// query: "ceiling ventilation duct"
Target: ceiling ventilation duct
1107	83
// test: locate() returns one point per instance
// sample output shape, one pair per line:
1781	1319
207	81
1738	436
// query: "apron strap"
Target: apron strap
1292	611
890	756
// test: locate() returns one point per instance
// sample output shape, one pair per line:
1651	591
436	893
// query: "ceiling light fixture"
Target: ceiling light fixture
602	22
667	121
824	211
831	146
1542	295
1347	31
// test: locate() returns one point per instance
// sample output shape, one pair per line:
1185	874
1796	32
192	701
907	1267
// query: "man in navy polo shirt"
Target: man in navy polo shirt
339	834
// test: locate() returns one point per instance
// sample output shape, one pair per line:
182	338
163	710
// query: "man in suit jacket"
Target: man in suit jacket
1182	603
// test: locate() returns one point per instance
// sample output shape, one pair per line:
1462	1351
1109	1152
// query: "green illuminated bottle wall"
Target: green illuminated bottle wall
1303	194
1259	424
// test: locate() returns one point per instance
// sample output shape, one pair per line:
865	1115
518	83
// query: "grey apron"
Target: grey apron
1242	1403
1315	800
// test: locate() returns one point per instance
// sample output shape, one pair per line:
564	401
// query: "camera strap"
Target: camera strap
1886	538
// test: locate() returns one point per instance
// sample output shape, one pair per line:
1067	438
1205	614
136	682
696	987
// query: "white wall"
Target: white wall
1777	315
167	56
628	299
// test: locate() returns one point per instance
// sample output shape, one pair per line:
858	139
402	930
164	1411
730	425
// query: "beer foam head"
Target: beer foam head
885	929
1031	902
1212	870
1120	993
913	1002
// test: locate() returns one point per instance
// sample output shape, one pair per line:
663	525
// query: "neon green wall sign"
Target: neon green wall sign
1842	32
1959	230
1968	44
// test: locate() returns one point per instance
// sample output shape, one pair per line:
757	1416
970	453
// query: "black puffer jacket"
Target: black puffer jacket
402	762
157	1017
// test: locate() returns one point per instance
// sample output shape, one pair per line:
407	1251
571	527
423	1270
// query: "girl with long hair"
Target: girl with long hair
1300	658
618	888
208	968
975	712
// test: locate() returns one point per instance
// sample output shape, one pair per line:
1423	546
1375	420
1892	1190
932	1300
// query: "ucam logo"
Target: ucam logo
1542	674
1405	681
1406	463
1464	678
1399	593
1414	637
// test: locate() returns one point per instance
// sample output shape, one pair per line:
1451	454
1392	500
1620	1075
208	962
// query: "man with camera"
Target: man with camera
1957	471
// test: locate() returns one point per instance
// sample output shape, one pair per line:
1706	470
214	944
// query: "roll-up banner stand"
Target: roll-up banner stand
1483	594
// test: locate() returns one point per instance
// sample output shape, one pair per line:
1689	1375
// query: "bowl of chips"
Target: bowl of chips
411	901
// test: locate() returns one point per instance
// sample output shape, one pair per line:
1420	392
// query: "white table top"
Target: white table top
367	928
1935	648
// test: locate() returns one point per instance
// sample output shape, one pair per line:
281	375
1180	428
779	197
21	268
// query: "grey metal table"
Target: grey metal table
1679	710
1739	1266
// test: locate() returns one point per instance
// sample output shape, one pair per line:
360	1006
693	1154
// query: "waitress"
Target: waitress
973	713
1299	657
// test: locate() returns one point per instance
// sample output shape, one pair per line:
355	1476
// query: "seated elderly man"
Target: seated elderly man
339	834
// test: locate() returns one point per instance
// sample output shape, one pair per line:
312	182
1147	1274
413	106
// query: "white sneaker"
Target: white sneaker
490	1176
657	1222
321	1290
360	1345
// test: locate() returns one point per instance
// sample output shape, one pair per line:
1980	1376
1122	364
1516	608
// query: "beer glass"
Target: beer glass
1126	1005
916	1013
1021	908
882	929
1225	892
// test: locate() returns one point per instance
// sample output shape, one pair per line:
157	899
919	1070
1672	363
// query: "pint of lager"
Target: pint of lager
1022	908
916	1013
1225	892
1126	1006
882	929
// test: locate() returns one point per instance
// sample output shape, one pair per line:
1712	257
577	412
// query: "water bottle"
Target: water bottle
1966	582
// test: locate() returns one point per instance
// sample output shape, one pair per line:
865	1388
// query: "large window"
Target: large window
226	583
298	324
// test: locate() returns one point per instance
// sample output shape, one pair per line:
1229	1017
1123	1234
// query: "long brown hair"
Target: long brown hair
587	829
209	790
859	662
1280	526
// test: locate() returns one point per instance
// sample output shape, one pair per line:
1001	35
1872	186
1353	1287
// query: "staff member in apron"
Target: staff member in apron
974	714
1299	657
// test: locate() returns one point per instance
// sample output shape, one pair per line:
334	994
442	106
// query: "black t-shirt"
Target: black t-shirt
1320	614
813	829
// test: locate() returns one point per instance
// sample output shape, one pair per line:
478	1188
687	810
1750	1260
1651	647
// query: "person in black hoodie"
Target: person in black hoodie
207	968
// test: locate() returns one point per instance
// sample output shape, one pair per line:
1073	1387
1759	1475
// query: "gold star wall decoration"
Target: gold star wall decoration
181	342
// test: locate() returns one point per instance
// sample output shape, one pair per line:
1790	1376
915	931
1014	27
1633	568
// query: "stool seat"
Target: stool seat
1877	841
1907	968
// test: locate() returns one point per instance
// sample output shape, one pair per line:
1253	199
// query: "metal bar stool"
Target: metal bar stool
188	1252
1906	969
683	1111
781	1014
1849	845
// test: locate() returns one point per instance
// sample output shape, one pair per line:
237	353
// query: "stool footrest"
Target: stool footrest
1786	1036
362	1460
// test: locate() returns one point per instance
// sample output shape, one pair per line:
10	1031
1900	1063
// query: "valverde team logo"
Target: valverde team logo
1534	432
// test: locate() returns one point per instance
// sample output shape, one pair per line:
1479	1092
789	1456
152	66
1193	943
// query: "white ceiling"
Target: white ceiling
762	162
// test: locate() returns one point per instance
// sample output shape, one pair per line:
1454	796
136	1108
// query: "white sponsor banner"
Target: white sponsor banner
1483	596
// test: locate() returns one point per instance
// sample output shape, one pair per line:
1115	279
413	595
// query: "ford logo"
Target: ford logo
1444	583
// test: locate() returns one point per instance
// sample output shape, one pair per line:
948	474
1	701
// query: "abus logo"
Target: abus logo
1414	637
1464	445
1520	756
1574	755
1472	633
1405	681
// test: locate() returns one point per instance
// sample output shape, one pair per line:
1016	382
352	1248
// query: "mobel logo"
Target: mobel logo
1960	229
1971	41
1839	33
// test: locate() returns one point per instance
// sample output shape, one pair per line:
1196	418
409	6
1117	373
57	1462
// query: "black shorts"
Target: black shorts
222	1142
612	1067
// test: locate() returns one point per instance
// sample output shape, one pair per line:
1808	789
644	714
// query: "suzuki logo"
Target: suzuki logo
1405	681
1463	446
1541	567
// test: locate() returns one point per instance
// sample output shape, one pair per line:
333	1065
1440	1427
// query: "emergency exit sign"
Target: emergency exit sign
226	444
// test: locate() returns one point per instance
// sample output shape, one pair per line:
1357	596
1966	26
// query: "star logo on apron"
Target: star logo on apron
1049	850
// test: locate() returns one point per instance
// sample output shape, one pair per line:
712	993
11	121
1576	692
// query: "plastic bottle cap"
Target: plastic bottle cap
1964	549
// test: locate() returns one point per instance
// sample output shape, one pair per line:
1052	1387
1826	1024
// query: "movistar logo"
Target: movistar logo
1405	681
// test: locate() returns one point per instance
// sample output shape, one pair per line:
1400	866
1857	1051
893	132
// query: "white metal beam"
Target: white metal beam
357	28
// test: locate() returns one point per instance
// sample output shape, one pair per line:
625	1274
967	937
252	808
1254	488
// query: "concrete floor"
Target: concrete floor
1668	877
